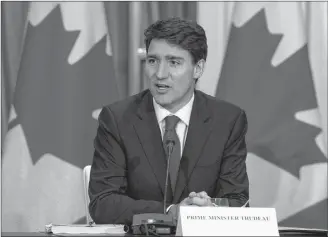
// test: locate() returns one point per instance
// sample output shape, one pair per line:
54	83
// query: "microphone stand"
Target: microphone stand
170	145
156	223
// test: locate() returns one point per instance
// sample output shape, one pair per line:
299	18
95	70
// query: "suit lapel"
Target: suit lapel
198	132
148	132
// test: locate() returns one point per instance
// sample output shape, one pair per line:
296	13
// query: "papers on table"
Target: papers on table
85	229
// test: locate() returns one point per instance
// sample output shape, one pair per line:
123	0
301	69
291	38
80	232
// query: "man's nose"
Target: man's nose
162	71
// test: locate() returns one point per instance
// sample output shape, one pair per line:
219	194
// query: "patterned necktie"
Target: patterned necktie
171	134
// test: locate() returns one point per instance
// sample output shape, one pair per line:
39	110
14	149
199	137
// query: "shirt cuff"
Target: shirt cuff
167	209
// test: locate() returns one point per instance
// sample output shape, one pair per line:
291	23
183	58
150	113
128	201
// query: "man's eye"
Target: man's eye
151	61
174	63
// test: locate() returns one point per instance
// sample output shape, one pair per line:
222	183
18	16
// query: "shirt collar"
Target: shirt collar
183	113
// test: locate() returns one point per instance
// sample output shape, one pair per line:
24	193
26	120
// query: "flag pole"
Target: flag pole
134	43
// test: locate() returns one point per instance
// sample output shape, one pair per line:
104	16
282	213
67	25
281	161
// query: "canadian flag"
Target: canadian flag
267	72
65	77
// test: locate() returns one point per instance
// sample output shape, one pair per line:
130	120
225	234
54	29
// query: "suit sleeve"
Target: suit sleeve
109	202
233	180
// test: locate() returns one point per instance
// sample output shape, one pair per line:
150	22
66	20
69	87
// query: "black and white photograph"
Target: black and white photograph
185	118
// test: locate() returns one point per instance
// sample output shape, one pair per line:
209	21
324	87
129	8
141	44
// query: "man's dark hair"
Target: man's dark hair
186	34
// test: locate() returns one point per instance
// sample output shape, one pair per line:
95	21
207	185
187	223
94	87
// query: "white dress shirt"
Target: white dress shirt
182	126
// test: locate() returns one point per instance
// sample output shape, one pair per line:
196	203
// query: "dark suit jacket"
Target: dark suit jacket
129	164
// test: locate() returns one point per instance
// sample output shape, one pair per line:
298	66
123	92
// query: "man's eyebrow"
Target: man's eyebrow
152	56
174	57
170	57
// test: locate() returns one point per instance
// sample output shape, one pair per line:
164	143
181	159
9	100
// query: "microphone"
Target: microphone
169	148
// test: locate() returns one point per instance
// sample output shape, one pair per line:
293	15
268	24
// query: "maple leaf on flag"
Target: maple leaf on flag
271	96
54	100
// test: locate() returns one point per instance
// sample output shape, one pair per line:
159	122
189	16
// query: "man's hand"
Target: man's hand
200	199
197	199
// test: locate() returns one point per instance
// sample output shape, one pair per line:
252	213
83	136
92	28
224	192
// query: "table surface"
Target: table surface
12	234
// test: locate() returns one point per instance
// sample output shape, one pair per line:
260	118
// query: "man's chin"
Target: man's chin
162	100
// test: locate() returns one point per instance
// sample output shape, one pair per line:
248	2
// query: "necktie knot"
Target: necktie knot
171	122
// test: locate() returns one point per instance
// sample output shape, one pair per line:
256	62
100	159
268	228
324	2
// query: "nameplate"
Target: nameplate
227	221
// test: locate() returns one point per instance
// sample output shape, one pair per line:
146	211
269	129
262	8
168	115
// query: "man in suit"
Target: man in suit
205	136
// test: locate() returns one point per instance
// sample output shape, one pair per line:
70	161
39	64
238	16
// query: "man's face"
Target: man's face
171	74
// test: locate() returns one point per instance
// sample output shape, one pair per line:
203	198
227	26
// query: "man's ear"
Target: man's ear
199	68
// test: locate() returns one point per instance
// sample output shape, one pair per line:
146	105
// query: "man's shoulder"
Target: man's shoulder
128	105
218	105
